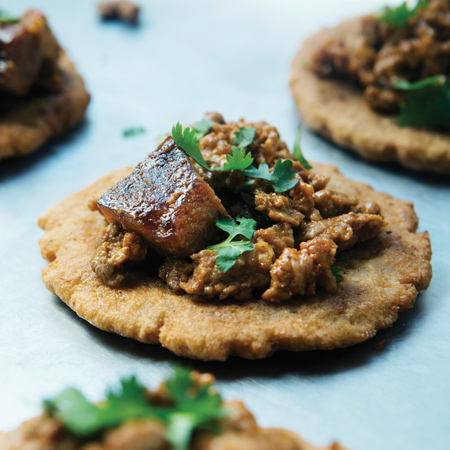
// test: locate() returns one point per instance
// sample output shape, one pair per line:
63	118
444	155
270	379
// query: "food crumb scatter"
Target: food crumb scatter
122	10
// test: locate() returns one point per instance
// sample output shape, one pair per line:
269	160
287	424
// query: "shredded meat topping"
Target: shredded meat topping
250	271
116	248
345	230
299	271
278	237
278	208
331	203
294	246
382	54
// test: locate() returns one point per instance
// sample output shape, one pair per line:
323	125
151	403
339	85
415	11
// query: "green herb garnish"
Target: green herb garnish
335	270
427	102
192	409
186	139
400	15
4	18
298	155
202	127
244	137
228	251
133	131
281	176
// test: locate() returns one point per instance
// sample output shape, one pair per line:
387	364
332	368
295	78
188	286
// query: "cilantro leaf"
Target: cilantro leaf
193	408
246	227
133	131
298	155
400	15
4	18
281	176
244	137
427	102
202	127
337	275
238	160
228	251
84	418
187	140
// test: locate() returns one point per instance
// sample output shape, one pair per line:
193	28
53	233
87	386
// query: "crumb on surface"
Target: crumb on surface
122	10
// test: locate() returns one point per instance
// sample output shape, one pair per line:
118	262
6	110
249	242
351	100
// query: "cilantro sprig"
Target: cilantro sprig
192	409
202	127
427	102
134	131
336	272
298	155
228	251
400	15
282	176
4	18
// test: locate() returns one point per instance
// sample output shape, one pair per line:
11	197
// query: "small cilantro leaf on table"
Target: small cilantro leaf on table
281	176
129	132
194	407
400	15
244	137
228	251
336	272
427	102
298	155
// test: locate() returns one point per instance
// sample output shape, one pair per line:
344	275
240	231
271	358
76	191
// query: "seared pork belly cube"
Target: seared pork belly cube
167	202
28	55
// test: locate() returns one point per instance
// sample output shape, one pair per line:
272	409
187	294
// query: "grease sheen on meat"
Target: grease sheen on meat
165	200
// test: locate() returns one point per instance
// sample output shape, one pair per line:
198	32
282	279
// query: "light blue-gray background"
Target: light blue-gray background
188	57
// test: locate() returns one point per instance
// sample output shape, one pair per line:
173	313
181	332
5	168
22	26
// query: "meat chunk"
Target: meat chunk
331	203
28	55
166	201
116	248
121	9
278	208
345	230
300	271
251	271
278	237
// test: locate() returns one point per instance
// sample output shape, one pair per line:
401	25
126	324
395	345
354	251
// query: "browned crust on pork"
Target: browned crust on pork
381	278
337	110
34	120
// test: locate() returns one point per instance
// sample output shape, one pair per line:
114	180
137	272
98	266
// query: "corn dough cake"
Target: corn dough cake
335	108
381	278
42	95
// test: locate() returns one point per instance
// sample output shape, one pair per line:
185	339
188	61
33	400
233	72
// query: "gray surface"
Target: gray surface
184	59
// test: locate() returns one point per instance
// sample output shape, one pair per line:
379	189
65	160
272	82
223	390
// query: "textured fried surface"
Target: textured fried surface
337	110
35	119
381	278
